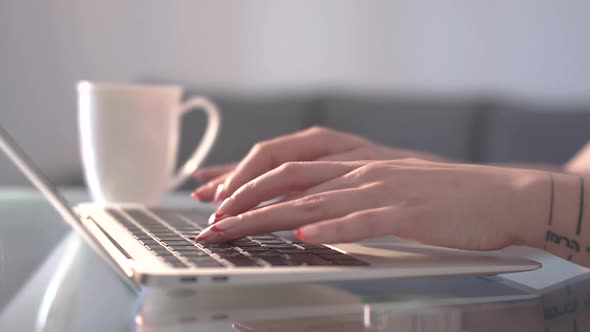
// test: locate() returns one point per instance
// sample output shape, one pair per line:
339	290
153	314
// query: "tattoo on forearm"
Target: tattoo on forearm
552	184
571	244
581	213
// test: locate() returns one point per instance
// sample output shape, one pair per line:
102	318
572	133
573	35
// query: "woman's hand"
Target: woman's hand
452	205
314	144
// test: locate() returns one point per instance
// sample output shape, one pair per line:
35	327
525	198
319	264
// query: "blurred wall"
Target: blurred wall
532	50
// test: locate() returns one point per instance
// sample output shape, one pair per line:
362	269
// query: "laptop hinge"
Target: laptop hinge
121	257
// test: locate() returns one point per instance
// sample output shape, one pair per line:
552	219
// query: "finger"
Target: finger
285	216
353	227
306	145
287	178
206	192
205	174
338	183
360	153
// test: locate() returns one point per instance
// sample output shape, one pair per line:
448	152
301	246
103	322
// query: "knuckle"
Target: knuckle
246	188
318	129
369	171
411	160
289	168
260	147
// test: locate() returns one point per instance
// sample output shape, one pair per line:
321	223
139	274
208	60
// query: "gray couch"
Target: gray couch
469	130
473	130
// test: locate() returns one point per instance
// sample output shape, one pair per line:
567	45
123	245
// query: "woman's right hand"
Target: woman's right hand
315	143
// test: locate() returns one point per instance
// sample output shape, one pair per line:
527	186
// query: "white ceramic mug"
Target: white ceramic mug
129	135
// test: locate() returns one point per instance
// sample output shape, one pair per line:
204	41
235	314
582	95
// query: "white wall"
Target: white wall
531	49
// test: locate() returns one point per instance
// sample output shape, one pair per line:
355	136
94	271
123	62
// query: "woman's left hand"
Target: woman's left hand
453	205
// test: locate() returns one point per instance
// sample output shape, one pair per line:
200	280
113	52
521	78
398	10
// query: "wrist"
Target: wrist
553	204
533	206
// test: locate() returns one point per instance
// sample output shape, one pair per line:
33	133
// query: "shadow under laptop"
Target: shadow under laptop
82	293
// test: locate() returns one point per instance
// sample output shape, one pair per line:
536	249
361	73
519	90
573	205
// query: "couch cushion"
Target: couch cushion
537	135
245	121
439	126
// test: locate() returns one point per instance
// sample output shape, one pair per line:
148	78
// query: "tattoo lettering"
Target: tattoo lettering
558	239
551	197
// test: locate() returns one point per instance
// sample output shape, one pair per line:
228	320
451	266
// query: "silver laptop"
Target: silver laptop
155	246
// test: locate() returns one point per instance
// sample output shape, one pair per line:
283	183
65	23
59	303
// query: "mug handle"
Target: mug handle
207	141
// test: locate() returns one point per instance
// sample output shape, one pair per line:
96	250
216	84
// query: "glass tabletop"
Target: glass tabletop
51	281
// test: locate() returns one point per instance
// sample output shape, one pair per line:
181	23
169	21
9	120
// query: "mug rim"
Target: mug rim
88	86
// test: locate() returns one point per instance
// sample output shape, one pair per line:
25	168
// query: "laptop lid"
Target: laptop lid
16	154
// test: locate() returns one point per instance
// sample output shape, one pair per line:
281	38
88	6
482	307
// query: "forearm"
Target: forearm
537	167
562	225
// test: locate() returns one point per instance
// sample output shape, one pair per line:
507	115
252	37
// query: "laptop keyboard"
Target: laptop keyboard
170	233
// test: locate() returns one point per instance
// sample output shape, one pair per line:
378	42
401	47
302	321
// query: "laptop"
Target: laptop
154	246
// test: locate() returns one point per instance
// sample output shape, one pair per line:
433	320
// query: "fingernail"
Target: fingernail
306	233
214	217
196	195
214	233
299	235
217	198
223	209
211	234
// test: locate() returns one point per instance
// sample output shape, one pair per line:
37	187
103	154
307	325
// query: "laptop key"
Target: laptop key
263	237
187	247
311	246
241	261
289	251
208	264
248	245
194	253
150	242
310	259
200	258
229	254
214	246
279	246
255	249
174	262
272	242
177	242
279	261
204	261
267	253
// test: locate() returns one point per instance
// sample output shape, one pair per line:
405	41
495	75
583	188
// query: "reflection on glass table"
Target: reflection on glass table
71	289
75	301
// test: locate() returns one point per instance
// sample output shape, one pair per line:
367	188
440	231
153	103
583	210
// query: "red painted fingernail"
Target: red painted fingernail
196	195
201	237
220	215
216	229
299	235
